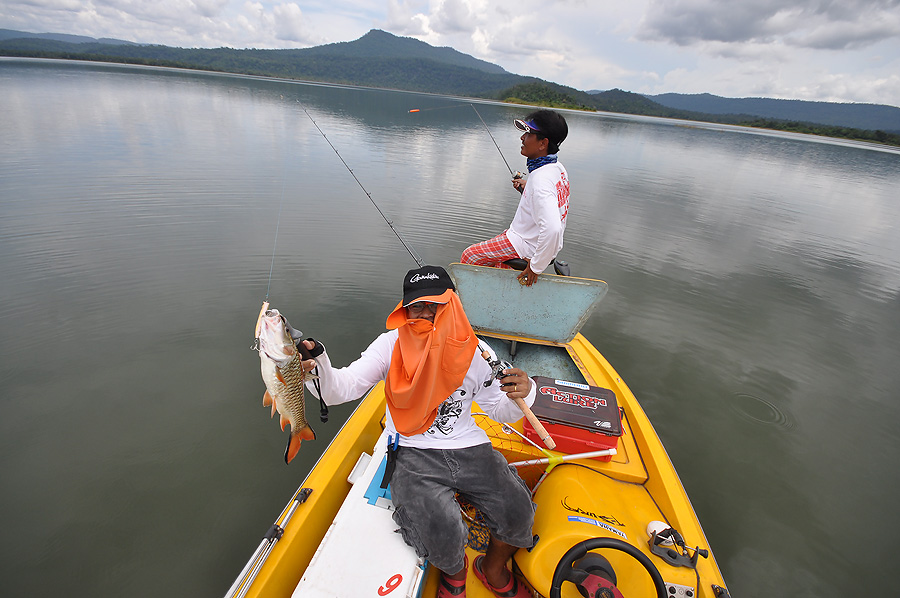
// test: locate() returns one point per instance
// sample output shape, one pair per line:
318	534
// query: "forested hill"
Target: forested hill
60	37
380	44
380	59
859	116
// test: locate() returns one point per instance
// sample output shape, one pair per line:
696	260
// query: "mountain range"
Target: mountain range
61	37
858	116
381	59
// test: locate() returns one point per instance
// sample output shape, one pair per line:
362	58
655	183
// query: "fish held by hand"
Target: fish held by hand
282	372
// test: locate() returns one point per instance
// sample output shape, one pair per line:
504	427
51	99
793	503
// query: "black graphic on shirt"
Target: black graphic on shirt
448	412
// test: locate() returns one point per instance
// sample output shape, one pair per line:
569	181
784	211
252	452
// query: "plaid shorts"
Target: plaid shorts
492	252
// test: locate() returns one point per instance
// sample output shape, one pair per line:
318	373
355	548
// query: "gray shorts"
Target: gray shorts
422	490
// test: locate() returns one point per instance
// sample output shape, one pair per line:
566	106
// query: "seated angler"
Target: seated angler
536	231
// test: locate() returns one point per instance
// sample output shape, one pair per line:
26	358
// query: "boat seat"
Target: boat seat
361	555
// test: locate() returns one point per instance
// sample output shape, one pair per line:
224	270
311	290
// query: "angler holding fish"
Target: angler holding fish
433	374
281	356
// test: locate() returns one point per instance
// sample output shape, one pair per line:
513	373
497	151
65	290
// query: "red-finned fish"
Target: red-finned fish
284	377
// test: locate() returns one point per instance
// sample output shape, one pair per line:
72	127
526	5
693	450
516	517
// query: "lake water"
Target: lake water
754	310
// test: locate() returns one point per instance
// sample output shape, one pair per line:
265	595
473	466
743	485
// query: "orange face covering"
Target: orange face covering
428	363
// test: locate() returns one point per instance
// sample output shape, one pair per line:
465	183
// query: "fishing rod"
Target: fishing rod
515	175
412	253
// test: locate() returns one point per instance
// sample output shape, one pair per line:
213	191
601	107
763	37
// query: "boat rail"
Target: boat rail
248	574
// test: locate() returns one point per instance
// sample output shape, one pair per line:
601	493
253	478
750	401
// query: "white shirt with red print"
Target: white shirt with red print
454	427
536	231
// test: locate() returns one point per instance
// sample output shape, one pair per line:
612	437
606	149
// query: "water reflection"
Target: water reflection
754	286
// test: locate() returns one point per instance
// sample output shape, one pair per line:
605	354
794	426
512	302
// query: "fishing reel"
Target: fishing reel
497	367
518	181
663	542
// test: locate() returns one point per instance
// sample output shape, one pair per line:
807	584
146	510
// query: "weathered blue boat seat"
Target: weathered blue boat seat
553	309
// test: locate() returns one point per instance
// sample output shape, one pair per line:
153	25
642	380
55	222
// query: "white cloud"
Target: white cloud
453	16
795	78
852	35
210	8
404	19
51	4
289	23
804	49
806	23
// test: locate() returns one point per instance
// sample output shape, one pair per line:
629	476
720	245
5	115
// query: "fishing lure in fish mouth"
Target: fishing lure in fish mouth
282	372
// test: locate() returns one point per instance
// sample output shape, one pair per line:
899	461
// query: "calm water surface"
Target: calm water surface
754	309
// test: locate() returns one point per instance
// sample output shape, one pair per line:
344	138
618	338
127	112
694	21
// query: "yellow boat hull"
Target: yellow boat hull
576	501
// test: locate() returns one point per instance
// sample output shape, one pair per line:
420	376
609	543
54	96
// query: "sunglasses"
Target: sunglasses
420	307
527	126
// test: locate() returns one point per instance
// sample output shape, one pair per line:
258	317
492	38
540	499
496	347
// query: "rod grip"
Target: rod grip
536	424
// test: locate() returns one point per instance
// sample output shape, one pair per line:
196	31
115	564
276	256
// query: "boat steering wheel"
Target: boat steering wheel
564	568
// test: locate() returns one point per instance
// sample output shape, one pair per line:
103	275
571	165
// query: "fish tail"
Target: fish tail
293	445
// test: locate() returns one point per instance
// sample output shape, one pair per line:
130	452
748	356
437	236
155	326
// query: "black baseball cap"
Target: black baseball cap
430	282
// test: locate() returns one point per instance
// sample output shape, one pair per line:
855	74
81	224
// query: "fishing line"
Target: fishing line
277	223
494	140
323	411
515	174
412	253
265	303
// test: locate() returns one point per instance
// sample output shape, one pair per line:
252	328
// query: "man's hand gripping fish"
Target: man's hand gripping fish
280	362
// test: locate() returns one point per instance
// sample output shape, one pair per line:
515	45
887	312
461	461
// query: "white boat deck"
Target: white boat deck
362	555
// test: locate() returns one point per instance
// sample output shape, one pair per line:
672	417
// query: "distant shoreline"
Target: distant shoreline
866	139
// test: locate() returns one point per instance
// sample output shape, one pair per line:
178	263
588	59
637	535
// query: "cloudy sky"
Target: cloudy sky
832	50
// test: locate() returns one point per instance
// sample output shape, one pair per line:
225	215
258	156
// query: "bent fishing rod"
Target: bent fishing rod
548	441
409	249
516	174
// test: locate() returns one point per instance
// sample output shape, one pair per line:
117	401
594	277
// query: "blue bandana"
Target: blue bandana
535	163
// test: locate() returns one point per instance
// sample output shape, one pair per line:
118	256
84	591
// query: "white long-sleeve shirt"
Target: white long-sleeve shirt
454	426
536	231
